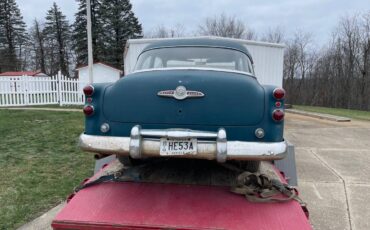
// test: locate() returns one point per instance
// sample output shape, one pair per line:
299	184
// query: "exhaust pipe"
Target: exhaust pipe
99	156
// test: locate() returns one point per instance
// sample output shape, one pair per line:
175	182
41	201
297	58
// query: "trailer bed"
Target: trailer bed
176	195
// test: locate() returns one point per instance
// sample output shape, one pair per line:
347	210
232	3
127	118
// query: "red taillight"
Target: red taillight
88	90
278	93
278	115
88	110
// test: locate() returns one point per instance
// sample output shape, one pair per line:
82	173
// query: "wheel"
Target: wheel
250	166
128	161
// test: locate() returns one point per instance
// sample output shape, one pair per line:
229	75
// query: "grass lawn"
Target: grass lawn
40	162
354	114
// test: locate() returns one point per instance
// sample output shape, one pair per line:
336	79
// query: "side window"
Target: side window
241	65
158	63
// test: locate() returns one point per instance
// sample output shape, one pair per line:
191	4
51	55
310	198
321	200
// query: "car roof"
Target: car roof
200	42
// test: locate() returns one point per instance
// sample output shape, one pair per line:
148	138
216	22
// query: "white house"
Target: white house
17	75
101	73
14	81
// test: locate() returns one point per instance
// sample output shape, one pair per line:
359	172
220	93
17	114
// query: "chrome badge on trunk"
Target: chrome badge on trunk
180	93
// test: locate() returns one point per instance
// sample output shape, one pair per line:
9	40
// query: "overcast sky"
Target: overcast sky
318	17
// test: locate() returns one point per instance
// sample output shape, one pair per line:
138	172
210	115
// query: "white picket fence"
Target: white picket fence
26	90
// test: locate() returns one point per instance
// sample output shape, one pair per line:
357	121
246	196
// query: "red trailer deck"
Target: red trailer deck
162	205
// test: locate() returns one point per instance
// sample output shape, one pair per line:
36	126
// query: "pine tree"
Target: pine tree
57	32
120	24
80	32
12	35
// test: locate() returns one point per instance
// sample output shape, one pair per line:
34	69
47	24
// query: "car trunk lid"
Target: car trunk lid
230	98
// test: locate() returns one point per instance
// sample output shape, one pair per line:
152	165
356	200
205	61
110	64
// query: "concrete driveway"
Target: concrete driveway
333	163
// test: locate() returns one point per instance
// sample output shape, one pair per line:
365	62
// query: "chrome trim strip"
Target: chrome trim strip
177	133
195	68
137	146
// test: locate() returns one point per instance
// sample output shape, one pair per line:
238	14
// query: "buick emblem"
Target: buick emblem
180	93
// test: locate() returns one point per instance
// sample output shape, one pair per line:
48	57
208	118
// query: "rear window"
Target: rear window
197	57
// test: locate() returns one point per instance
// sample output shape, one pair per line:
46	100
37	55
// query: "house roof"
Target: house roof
101	63
21	73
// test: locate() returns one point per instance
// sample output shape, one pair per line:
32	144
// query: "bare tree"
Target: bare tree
162	31
225	26
335	76
38	40
275	35
250	35
348	31
299	62
303	41
363	61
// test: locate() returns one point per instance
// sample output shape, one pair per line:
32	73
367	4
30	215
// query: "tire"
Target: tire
250	166
128	161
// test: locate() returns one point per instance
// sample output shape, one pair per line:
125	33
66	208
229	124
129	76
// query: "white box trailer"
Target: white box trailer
267	57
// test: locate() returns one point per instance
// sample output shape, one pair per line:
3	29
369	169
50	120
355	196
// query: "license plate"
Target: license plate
176	147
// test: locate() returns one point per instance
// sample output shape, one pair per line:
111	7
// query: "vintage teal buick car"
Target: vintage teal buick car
187	98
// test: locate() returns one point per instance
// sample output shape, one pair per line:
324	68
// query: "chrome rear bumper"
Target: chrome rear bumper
211	145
